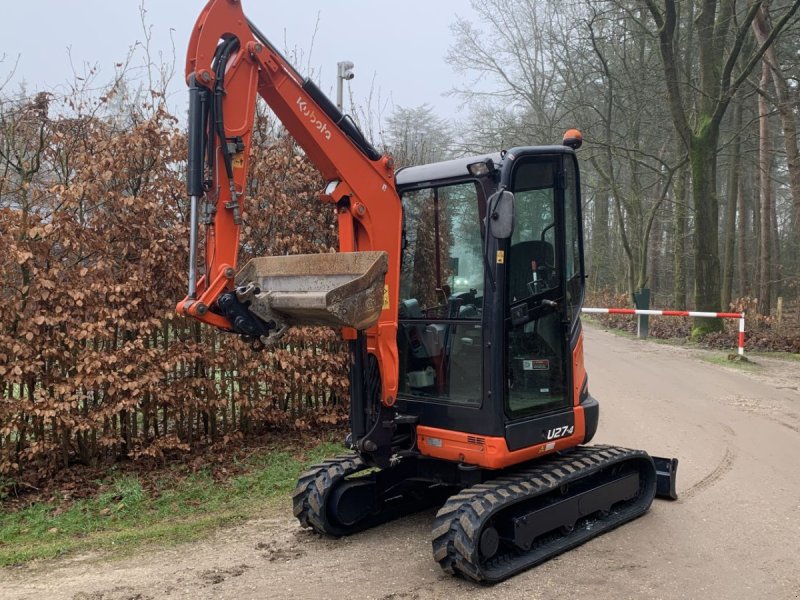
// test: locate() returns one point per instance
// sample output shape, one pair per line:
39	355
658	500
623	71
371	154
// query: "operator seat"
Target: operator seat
521	273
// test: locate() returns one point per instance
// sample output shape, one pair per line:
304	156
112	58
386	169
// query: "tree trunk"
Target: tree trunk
792	164
729	239
703	162
600	246
743	288
680	216
775	271
765	183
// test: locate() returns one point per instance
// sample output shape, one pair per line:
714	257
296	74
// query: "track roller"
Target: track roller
342	496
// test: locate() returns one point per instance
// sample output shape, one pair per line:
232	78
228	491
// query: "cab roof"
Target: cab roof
424	175
447	169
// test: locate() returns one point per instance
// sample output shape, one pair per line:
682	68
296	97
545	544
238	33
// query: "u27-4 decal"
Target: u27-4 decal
560	432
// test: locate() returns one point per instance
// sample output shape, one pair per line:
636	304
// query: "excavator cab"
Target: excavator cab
491	284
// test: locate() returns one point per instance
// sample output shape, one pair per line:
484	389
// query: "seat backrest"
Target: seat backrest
409	309
520	273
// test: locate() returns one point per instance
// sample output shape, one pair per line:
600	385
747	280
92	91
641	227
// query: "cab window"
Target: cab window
441	294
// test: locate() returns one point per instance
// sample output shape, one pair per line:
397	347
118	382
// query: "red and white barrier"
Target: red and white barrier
674	313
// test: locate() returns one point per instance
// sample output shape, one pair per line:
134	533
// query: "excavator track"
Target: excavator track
342	496
309	499
495	529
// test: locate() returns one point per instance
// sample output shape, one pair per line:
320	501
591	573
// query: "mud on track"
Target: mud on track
735	532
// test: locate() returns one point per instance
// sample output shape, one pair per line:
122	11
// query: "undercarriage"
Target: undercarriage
491	524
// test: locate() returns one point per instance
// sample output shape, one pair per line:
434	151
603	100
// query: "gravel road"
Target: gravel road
734	533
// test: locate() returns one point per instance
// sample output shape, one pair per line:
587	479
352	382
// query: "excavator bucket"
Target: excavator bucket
339	290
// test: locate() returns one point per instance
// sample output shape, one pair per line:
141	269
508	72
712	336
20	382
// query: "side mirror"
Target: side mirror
501	215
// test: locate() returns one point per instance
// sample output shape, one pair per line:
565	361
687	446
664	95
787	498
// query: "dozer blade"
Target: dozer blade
339	290
666	473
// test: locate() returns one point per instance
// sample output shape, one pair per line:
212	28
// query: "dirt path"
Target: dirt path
735	532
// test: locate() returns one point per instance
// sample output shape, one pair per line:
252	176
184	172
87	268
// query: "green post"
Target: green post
641	300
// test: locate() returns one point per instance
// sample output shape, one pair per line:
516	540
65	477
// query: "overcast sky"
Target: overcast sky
403	44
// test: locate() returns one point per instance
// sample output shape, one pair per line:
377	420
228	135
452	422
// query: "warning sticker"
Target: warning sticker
238	160
386	303
501	257
536	365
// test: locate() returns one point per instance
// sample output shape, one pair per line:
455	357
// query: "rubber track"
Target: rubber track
459	523
310	495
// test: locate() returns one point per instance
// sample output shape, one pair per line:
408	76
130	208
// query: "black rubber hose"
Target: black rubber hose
209	134
205	99
342	121
228	47
263	39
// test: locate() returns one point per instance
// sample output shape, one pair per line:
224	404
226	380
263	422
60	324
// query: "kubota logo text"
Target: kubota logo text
312	116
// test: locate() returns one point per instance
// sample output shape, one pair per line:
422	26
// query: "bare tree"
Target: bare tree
786	108
697	113
416	136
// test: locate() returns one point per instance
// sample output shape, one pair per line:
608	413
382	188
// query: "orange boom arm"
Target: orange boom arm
230	63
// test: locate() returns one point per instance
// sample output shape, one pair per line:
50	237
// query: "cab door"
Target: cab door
543	287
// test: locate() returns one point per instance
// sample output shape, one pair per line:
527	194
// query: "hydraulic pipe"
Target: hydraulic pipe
358	387
198	108
198	112
193	248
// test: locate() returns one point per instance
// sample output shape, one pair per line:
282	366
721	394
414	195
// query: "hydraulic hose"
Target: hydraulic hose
226	49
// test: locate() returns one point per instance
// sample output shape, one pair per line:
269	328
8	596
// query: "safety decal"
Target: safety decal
536	365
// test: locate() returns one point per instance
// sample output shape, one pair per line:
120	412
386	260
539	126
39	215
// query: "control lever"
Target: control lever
548	302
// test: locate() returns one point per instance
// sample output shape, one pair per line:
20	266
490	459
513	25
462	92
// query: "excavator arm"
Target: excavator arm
229	64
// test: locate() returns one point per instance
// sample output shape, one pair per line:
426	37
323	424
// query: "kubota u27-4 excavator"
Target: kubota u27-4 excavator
458	287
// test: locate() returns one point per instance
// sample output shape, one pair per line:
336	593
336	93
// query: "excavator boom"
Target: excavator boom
229	64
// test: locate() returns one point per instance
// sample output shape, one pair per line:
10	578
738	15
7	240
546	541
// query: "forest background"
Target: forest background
691	182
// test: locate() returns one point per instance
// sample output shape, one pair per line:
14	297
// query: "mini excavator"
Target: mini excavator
458	288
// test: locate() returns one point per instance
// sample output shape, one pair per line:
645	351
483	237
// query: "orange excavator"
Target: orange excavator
458	287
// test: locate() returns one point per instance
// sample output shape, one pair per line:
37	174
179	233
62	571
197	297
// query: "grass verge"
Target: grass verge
172	508
722	360
787	356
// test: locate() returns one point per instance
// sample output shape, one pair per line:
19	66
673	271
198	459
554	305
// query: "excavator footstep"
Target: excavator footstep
339	290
